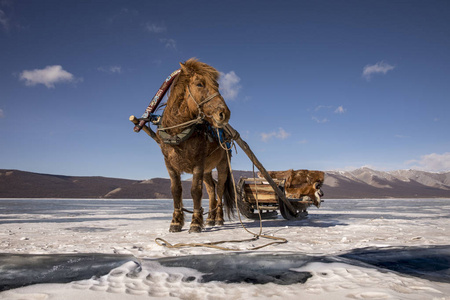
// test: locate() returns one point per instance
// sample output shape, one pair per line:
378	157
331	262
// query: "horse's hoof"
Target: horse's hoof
195	229
219	222
210	222
175	228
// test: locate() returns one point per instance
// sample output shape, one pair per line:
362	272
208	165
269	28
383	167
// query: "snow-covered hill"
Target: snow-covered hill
368	183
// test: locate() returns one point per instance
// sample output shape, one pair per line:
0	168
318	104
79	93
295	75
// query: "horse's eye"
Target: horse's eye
200	84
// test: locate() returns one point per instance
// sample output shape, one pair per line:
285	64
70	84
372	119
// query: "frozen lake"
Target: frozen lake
356	249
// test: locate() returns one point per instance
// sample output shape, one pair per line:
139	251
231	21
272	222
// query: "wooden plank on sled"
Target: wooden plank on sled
262	198
260	189
262	181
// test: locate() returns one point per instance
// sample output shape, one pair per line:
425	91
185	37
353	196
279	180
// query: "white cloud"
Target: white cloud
111	69
169	43
153	28
324	120
433	162
48	76
4	21
323	107
116	69
266	136
281	134
1	113
229	85
379	67
340	110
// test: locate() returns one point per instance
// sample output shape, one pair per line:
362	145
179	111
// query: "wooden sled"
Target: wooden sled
252	189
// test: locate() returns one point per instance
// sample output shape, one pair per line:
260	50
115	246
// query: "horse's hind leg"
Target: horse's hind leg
178	215
222	171
196	193
211	189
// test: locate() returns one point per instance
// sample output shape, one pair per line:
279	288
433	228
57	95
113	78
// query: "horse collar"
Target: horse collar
177	138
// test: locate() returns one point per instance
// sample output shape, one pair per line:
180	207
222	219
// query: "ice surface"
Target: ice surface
349	249
17	270
431	262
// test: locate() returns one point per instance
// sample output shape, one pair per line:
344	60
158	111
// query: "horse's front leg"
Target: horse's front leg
196	193
178	215
211	189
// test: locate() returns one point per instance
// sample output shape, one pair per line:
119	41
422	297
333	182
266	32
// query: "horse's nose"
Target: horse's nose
221	116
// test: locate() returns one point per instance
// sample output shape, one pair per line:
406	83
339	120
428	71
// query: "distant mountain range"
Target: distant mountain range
368	183
360	183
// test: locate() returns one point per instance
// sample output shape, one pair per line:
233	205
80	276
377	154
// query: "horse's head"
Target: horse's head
201	92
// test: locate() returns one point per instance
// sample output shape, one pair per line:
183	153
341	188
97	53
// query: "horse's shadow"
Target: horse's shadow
226	226
280	223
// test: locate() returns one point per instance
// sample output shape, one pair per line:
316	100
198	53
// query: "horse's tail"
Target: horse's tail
229	196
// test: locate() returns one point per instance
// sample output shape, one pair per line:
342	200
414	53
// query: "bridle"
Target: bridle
199	105
201	115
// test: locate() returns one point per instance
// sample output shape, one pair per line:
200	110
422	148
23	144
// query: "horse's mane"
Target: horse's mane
192	66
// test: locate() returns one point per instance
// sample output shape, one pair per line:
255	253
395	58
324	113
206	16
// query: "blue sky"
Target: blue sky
320	85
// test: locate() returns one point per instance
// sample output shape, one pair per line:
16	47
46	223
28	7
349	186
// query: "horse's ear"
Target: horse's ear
183	68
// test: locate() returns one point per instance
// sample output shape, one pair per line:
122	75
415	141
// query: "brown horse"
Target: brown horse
194	95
